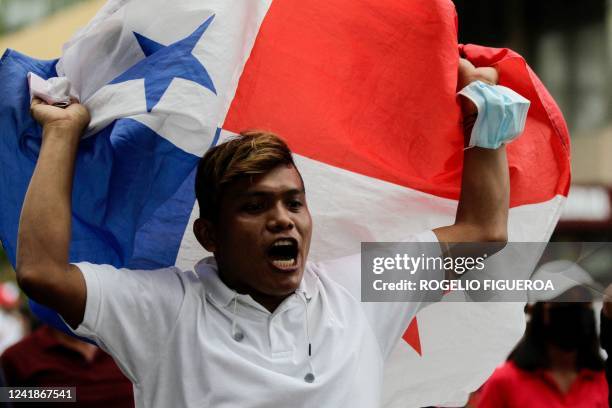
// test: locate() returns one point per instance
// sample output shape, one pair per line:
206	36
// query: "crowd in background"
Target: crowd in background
33	354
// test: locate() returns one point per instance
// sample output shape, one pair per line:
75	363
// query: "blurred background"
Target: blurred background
568	43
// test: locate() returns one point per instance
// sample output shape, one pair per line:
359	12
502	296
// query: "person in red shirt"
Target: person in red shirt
48	357
556	365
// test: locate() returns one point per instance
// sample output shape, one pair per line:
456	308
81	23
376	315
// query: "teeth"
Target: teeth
284	264
283	242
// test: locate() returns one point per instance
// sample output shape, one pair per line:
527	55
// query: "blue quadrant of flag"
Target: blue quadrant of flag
133	189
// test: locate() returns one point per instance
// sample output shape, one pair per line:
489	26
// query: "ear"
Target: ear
205	234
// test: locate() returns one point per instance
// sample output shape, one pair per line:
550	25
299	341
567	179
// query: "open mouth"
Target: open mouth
283	253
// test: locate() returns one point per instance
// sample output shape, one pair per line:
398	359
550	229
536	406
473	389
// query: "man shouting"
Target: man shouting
257	325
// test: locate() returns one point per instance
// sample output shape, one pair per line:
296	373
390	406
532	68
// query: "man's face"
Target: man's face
262	236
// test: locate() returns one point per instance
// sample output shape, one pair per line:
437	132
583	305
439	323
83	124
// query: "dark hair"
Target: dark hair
530	354
246	155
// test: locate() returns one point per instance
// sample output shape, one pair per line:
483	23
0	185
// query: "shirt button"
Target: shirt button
309	377
238	336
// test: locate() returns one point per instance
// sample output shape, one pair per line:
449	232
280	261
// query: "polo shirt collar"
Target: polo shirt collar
222	295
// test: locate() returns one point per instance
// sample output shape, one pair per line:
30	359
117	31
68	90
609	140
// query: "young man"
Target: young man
257	326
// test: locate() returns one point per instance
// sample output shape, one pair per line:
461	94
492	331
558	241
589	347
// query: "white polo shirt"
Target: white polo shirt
186	340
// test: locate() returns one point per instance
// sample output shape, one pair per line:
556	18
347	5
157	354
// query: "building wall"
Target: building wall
592	158
45	38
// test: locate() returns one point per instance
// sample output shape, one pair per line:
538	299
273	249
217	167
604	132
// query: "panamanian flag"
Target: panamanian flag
364	93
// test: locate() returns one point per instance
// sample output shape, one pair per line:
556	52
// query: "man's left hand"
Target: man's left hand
468	73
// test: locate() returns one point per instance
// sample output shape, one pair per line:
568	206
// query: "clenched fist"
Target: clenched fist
469	73
73	119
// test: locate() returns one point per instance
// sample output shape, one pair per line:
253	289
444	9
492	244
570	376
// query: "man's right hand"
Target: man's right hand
43	241
72	119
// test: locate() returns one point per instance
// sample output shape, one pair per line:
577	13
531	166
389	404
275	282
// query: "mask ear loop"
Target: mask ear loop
308	332
235	335
234	316
309	377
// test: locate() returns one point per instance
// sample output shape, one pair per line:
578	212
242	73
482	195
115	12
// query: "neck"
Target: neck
270	302
561	360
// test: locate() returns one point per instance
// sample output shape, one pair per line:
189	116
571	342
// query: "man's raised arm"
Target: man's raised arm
43	270
482	213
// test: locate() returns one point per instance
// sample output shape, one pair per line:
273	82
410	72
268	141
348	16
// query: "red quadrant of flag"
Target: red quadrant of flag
369	86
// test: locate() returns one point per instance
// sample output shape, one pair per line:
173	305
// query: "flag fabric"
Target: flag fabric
364	93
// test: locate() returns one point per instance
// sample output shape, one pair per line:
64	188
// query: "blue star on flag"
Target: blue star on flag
164	63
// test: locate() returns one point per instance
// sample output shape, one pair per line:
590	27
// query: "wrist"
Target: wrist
62	132
469	113
468	107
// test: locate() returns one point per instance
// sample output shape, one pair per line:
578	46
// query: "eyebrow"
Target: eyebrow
262	193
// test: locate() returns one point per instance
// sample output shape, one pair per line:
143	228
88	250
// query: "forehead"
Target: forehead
281	179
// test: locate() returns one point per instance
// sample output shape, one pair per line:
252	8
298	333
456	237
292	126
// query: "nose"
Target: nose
280	219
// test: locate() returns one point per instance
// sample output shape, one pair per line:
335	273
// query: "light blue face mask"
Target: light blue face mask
501	114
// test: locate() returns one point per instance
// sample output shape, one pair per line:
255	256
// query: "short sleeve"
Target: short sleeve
131	313
388	320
